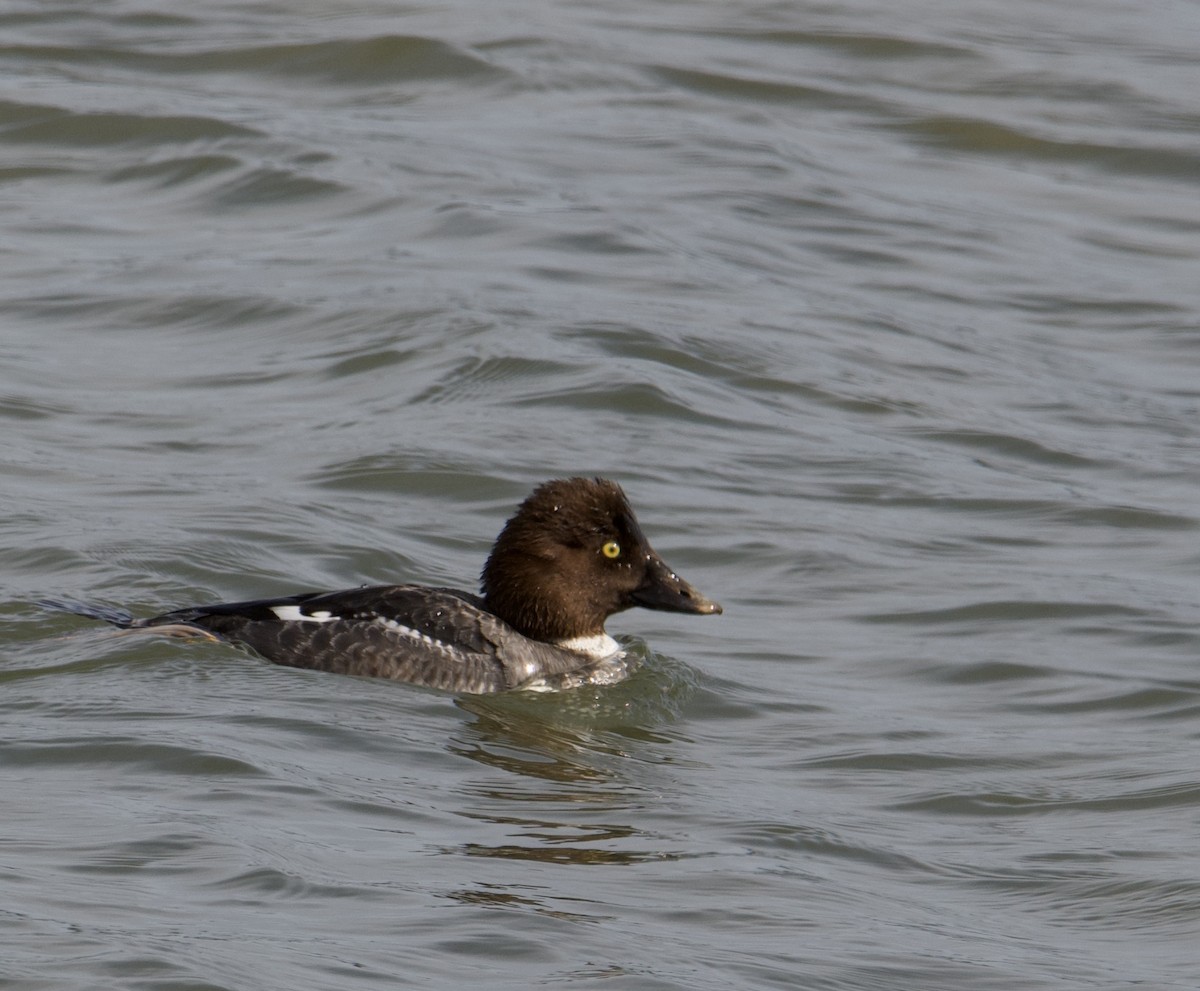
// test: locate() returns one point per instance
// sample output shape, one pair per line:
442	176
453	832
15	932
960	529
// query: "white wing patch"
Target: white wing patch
441	646
294	615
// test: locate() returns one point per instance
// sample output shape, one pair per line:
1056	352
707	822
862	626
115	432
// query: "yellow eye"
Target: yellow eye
611	550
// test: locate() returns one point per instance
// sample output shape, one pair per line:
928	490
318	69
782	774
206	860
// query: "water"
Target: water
886	317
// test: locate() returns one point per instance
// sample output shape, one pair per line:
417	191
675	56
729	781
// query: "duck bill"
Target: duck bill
665	590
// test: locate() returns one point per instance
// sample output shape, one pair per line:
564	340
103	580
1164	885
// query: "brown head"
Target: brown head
571	556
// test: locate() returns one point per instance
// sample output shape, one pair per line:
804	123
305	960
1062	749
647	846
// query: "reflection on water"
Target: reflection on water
488	898
571	751
582	718
581	855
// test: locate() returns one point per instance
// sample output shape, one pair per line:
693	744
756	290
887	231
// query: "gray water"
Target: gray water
886	316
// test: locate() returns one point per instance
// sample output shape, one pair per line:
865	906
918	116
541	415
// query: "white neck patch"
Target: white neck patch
598	645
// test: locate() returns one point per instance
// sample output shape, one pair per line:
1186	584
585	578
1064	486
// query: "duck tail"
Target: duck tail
106	614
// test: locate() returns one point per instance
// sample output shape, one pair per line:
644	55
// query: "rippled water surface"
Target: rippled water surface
886	316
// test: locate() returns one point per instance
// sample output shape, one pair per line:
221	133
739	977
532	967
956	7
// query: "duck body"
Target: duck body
437	637
572	555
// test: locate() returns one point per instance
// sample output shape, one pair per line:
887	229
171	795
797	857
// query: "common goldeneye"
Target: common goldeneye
571	556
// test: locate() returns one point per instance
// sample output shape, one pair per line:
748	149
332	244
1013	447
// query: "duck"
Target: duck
572	555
